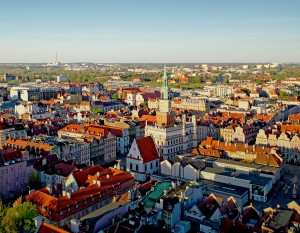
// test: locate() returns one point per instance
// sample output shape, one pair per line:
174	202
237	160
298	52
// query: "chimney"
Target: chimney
69	195
38	220
107	176
64	193
173	185
75	225
50	188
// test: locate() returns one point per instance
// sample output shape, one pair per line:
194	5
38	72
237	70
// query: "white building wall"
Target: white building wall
166	168
190	173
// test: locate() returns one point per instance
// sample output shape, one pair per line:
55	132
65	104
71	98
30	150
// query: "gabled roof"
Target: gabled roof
81	176
268	159
249	213
208	206
229	226
48	228
147	149
229	209
23	144
111	182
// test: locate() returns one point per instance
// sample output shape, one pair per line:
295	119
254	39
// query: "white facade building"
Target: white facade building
142	158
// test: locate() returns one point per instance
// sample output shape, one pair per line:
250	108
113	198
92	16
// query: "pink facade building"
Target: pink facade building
15	171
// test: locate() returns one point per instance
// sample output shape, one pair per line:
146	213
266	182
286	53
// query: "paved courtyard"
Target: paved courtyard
283	191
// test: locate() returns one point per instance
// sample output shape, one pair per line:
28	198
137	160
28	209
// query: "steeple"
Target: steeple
165	87
164	116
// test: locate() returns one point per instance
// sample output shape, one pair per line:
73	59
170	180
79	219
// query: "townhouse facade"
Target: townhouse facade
15	172
16	130
74	150
287	142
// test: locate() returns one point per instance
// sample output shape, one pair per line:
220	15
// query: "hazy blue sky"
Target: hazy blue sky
150	30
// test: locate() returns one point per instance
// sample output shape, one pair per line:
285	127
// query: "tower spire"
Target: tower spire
165	87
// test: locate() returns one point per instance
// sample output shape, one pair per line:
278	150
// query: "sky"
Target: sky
150	31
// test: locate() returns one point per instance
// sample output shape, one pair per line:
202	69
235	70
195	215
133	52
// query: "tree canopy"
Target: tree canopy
115	96
97	110
19	218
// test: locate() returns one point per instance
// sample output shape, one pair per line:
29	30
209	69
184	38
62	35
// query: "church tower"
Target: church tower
165	88
164	116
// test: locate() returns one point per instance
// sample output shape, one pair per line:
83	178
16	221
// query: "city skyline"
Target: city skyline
150	32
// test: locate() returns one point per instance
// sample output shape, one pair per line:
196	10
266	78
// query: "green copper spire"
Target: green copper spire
165	88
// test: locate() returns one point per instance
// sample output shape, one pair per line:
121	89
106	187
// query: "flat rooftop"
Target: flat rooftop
153	196
258	180
250	165
231	190
232	162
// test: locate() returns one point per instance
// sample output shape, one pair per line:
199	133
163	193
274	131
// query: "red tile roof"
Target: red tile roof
268	159
48	228
229	226
24	144
147	149
208	206
112	181
82	175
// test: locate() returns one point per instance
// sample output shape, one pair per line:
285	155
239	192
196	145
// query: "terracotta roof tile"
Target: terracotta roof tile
147	149
48	228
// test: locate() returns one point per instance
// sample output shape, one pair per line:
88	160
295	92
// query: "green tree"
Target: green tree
144	104
226	80
115	96
3	209
97	111
34	180
20	218
245	90
282	94
259	81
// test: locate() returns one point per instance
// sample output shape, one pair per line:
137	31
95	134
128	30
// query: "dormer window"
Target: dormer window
76	206
69	209
61	213
100	195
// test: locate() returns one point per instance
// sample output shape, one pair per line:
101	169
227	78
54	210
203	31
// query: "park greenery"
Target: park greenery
17	219
148	79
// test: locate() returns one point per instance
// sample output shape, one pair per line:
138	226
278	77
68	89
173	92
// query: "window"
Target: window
69	209
137	167
145	167
76	206
130	166
100	195
61	213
